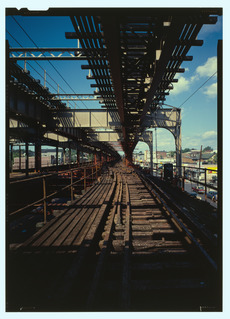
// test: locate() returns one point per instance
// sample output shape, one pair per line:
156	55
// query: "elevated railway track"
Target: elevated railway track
119	247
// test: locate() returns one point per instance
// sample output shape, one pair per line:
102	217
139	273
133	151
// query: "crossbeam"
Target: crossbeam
17	54
85	118
104	136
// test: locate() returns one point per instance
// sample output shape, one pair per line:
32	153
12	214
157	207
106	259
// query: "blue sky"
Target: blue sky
199	113
197	120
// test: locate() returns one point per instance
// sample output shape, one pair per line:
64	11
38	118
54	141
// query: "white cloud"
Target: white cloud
208	138
211	91
182	85
205	70
209	135
208	68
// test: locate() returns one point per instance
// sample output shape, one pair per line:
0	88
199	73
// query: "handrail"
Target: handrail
182	177
45	197
52	174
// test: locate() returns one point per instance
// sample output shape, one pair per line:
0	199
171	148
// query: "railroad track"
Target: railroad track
118	248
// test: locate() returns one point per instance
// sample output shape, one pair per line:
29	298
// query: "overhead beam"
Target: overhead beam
85	118
112	38
167	50
104	136
17	54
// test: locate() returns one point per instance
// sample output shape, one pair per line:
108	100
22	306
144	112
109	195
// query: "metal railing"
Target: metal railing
188	173
94	174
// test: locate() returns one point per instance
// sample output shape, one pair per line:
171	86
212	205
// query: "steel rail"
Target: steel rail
77	263
125	261
105	246
184	228
126	276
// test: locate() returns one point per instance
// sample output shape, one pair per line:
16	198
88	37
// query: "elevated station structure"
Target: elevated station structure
133	56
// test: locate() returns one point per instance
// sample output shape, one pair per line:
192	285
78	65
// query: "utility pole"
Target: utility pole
200	156
156	142
200	161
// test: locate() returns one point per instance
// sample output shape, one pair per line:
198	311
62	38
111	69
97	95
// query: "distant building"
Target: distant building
161	154
194	157
187	160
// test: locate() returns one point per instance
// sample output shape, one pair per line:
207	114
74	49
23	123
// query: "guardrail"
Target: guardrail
95	173
52	167
187	173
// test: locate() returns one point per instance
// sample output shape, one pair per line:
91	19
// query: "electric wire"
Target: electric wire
50	64
198	88
38	65
48	60
31	65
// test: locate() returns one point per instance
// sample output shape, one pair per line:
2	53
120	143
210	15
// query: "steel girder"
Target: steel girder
29	108
144	53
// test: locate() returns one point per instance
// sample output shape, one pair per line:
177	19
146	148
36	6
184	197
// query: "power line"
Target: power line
48	61
198	89
35	61
37	48
50	64
37	64
44	55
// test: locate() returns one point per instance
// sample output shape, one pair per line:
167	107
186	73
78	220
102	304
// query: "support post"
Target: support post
78	157
20	157
183	178
69	155
151	157
64	156
11	158
27	158
205	181
128	159
156	142
37	156
57	158
44	198
178	147
71	187
84	179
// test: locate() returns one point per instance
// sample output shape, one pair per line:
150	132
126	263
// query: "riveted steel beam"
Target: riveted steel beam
112	38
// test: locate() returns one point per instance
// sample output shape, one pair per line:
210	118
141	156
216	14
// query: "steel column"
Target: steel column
78	156
151	156
57	157
64	156
69	155
11	157
178	149
20	157
37	156
112	37
27	158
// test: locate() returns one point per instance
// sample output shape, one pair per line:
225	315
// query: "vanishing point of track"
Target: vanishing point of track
119	247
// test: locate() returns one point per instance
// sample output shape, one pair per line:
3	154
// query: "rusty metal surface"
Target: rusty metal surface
115	249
